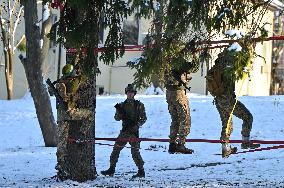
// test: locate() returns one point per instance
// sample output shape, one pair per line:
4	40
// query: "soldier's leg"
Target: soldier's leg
243	113
118	146
171	100
184	118
224	107
184	123
135	146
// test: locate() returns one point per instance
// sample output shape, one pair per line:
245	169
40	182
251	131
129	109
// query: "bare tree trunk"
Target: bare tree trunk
9	75
8	62
32	65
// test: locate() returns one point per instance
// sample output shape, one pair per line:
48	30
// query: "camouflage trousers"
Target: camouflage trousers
225	106
180	113
119	145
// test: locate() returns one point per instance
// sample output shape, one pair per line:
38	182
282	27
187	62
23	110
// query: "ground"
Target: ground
25	162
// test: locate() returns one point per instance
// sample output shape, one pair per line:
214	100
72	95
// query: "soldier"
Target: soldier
133	116
176	85
72	113
222	88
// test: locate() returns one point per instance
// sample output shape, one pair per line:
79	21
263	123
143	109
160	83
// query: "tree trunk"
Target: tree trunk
32	65
76	161
8	62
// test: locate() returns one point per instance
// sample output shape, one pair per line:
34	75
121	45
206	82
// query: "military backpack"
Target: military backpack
214	81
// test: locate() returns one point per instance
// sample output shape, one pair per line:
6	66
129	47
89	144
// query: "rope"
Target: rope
229	124
260	149
92	141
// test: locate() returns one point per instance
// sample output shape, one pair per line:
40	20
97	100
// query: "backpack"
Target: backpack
214	81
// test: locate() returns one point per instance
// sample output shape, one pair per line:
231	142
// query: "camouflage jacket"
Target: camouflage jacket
223	62
133	115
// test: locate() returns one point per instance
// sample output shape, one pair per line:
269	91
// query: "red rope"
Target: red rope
167	140
261	149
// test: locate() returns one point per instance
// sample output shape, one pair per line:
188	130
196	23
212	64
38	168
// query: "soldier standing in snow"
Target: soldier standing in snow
222	87
178	106
133	116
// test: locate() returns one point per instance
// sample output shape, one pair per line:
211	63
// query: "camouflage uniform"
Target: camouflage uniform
135	111
133	116
225	103
176	84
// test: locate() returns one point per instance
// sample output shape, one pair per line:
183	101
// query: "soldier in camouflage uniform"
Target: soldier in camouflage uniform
72	114
178	106
133	116
225	101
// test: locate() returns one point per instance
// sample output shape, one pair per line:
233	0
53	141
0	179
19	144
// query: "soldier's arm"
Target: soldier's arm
117	115
142	115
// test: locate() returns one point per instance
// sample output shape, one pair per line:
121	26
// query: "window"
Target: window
130	31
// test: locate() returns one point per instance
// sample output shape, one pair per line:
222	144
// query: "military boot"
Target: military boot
172	148
140	174
227	150
108	172
180	148
247	144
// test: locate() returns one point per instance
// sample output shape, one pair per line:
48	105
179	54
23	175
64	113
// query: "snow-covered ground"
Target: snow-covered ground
25	162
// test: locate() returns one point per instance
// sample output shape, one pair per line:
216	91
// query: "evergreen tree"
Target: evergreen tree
185	25
79	27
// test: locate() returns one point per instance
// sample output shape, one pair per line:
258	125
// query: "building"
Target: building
114	78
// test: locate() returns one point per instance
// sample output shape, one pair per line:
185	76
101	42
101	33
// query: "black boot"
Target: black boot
172	148
249	145
108	172
140	174
180	148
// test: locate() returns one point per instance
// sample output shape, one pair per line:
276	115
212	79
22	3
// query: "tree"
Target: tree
79	27
185	39
36	50
10	15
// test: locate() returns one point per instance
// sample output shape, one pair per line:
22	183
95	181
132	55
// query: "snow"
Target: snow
235	47
46	12
235	33
25	162
154	91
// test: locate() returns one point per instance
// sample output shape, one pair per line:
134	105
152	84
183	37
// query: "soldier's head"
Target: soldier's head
67	70
130	91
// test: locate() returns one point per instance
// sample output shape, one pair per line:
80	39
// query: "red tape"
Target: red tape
167	140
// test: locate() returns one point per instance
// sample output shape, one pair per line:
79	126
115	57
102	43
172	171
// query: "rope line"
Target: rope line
260	149
92	141
229	124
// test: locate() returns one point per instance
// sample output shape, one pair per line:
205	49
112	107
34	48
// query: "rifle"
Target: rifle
129	123
176	75
59	99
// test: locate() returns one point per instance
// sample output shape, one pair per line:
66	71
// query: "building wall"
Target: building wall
114	78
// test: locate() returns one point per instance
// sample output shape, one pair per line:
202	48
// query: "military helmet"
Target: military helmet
130	87
67	70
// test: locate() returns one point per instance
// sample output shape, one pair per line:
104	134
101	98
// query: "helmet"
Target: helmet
130	87
67	70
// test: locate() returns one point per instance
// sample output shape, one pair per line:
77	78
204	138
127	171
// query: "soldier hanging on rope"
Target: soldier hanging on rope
221	80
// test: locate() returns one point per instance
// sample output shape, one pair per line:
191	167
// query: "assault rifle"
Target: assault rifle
176	75
59	99
128	122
